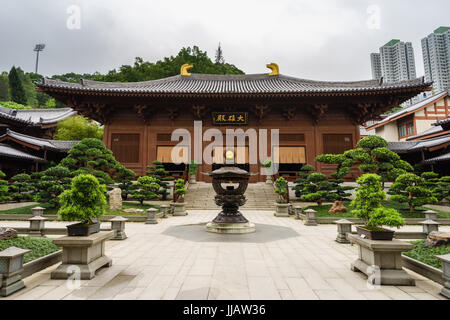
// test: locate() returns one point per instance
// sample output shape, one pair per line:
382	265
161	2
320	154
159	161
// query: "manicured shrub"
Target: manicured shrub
52	182
281	188
410	188
318	189
179	190
21	187
4	189
439	187
90	156
367	203
85	201
302	179
146	188
162	177
125	178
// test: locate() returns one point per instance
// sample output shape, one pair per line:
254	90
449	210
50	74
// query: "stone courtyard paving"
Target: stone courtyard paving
177	259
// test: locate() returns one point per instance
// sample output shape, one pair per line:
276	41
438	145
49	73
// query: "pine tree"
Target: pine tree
17	90
219	55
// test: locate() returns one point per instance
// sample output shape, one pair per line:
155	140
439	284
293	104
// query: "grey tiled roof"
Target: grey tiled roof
36	116
10	152
55	145
411	108
416	146
401	147
441	158
209	83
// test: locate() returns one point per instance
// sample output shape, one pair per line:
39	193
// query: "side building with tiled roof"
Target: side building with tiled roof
413	121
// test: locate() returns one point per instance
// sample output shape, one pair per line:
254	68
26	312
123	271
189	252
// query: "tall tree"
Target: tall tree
4	88
15	84
219	56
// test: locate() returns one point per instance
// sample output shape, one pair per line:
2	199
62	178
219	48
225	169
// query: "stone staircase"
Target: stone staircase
260	196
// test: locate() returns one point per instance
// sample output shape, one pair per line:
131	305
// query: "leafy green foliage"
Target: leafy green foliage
302	180
85	201
367	203
90	156
4	189
161	175
13	105
16	87
125	178
179	190
77	128
372	157
169	66
39	246
21	187
193	168
318	189
51	183
281	188
146	188
427	255
410	188
4	88
439	187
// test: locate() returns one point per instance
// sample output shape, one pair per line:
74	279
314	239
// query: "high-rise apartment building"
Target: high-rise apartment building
436	58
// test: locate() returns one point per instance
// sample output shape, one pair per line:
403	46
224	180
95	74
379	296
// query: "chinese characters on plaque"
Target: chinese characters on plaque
230	118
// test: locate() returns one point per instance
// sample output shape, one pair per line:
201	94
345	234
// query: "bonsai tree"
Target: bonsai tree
52	182
4	189
318	189
302	179
179	190
281	188
146	188
125	177
84	201
439	187
367	204
410	188
21	187
90	156
343	165
158	172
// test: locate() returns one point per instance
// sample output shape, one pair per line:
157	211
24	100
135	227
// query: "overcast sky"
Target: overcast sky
322	40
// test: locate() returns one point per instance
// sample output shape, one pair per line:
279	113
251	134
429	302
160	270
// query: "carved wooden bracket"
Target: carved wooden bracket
318	111
289	112
260	111
173	112
144	112
200	111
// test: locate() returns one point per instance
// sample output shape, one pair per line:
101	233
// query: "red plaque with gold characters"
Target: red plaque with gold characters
230	118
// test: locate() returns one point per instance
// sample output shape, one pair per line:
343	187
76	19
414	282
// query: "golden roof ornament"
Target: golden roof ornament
274	67
184	69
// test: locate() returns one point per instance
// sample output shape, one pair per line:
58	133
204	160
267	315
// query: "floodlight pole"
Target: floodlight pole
38	48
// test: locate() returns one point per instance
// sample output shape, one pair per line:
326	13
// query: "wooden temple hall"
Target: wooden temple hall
313	117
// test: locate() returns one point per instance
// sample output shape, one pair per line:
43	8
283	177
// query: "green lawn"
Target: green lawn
426	255
322	211
39	246
125	205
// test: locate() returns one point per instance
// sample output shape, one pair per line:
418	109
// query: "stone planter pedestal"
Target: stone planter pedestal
343	227
179	208
151	216
384	254
310	217
11	267
282	209
269	180
82	254
118	225
37	225
192	179
37	211
446	274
